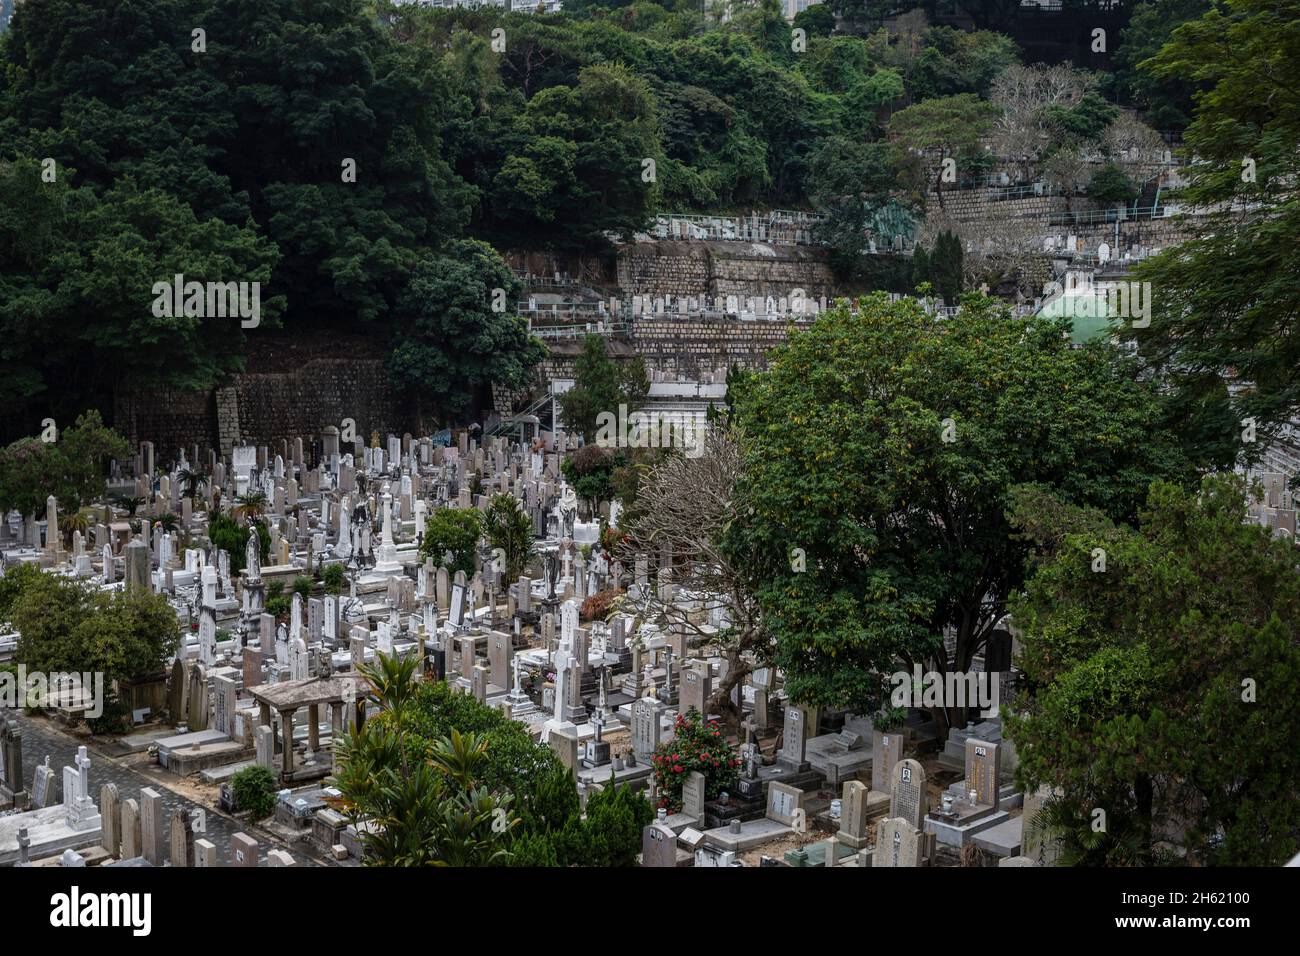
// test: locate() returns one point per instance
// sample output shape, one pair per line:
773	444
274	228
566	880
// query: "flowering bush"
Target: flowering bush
696	745
596	607
611	538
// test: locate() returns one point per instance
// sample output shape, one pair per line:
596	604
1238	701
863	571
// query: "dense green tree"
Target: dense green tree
1110	184
883	444
600	386
1225	304
454	532
66	626
546	828
509	530
1165	681
230	536
458	331
946	128
610	833
1166	102
955	61
851	185
72	467
255	789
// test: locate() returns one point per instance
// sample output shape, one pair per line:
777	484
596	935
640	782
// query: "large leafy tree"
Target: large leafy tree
600	386
67	626
509	529
457	330
1225	305
1166	102
454	532
1164	682
947	128
880	448
72	468
852	185
426	799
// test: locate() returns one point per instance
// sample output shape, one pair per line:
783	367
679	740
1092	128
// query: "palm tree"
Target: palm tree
191	481
429	814
250	505
392	687
130	504
78	520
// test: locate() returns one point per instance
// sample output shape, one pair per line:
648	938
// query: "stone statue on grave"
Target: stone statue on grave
324	668
551	569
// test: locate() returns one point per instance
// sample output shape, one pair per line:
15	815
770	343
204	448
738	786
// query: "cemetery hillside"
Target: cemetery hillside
532	434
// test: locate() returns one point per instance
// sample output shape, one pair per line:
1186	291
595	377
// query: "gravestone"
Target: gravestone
886	751
500	653
898	844
695	689
982	771
693	795
176	692
243	850
182	838
793	746
12	793
783	803
223	709
82	814
1035	843
264	747
853	815
205	854
131	840
152	837
658	846
908	799
43	786
645	726
110	810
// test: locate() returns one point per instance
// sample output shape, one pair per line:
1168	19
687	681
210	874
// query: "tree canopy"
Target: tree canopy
880	450
1164	679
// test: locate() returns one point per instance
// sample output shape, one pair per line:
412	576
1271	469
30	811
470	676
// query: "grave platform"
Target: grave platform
1002	840
962	830
48	830
752	833
636	777
718	814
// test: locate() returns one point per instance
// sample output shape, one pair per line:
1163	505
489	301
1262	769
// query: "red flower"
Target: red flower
677	768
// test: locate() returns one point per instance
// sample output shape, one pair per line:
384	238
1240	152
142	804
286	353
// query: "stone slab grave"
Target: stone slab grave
843	755
791	766
785	816
72	824
816	854
1002	840
971	805
189	753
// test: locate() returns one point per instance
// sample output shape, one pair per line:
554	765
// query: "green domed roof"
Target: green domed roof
1088	310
